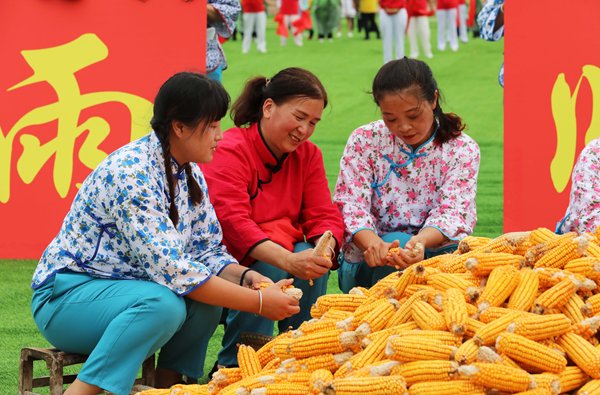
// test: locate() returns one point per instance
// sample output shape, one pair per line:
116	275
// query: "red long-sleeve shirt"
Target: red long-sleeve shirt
392	3
251	190
446	4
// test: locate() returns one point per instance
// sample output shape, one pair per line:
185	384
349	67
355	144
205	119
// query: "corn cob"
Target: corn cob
372	353
344	302
444	281
282	347
224	377
538	327
244	386
470	243
501	283
319	379
495	376
554	297
591	388
455	311
531	353
549	276
472	326
564	252
538	250
322	343
542	235
323	324
416	348
467	352
524	294
481	265
427	317
587	328
463	387
492	313
420	371
189	389
281	389
404	312
593	248
368	386
592	305
248	361
571	378
582	353
379	368
587	266
537	391
336	314
394	330
330	362
377	318
574	308
487	334
273	364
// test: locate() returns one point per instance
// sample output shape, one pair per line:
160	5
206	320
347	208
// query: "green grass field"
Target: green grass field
346	66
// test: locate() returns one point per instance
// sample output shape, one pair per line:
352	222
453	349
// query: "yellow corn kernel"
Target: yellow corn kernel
344	302
482	264
495	376
188	389
414	274
537	327
248	384
525	293
369	385
530	353
592	305
554	297
472	326
394	330
501	283
593	248
427	317
590	388
547	381
538	250
336	314
319	380
248	361
419	371
467	352
455	311
587	266
488	333
582	353
416	348
571	378
282	347
564	252
323	343
470	243
224	377
378	318
536	391
492	313
463	387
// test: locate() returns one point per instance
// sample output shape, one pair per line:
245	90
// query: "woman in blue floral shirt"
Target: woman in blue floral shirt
138	263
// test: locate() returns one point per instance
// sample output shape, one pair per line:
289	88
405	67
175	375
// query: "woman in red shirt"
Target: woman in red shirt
393	19
419	12
446	17
271	194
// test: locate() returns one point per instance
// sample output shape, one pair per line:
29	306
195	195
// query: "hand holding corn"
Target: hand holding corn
401	258
306	265
377	253
276	304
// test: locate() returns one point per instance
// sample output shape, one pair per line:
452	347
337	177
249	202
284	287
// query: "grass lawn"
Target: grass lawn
346	66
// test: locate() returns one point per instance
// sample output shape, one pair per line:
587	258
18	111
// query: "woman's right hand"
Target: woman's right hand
306	265
276	305
376	253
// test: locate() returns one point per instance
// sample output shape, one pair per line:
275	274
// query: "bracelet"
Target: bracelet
259	302
243	275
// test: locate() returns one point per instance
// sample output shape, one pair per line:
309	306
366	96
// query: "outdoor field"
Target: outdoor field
346	66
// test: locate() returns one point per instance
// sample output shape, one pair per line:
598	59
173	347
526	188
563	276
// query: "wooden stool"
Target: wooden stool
56	360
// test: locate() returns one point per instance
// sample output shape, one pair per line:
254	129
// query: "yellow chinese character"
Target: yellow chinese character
57	67
564	106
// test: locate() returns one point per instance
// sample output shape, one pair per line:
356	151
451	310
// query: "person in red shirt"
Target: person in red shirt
446	15
419	12
462	21
393	19
255	21
271	194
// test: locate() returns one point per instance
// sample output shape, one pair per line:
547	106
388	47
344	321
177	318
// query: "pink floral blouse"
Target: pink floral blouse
386	186
583	213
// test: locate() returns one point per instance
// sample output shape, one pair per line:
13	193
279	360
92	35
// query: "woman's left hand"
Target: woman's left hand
252	279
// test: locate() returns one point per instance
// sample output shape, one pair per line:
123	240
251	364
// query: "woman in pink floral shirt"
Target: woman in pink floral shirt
406	179
583	213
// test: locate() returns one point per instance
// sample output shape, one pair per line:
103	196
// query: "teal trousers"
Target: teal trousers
119	323
239	322
360	274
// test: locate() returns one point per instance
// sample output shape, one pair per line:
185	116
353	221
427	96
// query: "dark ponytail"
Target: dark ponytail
192	99
414	75
287	84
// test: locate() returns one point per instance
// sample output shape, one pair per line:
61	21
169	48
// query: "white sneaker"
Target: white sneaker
338	34
350	35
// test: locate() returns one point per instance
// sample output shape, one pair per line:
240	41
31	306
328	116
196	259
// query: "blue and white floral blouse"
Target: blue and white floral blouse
228	10
486	19
119	227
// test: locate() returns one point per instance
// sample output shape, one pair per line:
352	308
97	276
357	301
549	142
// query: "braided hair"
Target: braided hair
192	99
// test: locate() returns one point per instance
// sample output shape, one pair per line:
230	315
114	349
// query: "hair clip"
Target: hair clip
267	81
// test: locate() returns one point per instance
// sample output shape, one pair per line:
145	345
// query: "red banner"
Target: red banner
78	79
552	105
